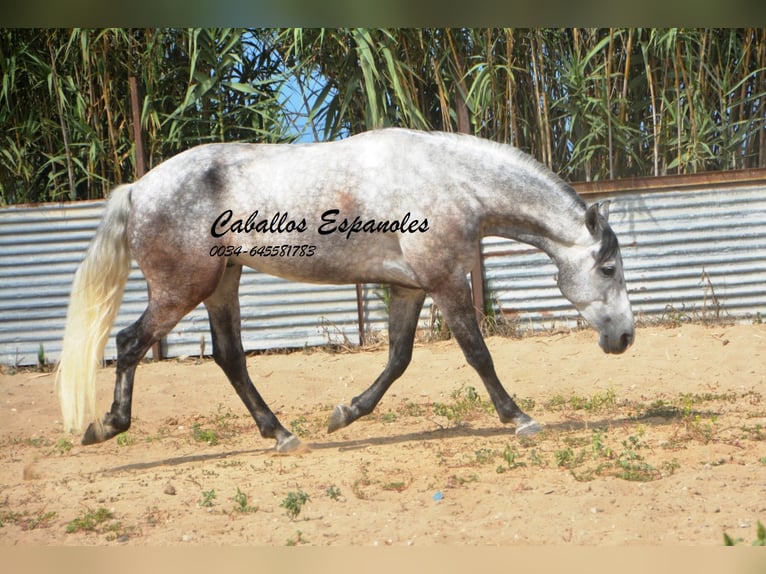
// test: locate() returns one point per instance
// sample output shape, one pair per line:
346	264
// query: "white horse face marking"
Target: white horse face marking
591	277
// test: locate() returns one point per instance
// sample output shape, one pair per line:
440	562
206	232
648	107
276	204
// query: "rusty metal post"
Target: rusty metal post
360	313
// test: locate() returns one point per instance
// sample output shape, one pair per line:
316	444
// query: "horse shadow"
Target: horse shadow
432	435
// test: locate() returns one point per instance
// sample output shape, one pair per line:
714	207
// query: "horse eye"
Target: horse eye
607	271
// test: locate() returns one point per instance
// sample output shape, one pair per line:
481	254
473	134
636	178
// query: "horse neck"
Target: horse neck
536	208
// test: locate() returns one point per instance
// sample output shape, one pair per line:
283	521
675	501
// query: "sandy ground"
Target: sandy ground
664	445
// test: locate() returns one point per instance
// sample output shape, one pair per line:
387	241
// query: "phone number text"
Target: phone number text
305	250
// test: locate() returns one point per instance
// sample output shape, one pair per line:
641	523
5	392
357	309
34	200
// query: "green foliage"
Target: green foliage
208	496
204	435
89	521
125	439
760	539
241	504
465	403
300	427
333	492
63	445
293	503
589	103
26	520
65	102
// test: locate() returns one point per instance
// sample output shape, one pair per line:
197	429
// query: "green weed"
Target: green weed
511	458
204	435
388	417
89	521
293	503
333	492
594	403
207	498
241	503
26	520
63	445
299	539
410	409
466	403
125	439
299	427
760	539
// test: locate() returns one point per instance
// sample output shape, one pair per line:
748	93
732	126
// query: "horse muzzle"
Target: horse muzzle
616	344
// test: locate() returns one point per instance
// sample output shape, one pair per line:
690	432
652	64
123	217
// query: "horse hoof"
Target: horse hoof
94	434
290	445
339	418
528	428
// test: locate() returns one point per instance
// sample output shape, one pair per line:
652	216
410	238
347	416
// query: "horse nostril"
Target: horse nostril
626	340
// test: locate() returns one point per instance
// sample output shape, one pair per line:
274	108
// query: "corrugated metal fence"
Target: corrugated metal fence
697	251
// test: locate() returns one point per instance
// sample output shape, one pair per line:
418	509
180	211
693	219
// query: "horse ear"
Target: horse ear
603	209
596	215
591	219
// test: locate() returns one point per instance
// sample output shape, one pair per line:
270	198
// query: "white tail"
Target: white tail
96	296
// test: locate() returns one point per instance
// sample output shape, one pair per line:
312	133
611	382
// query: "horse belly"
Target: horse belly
333	263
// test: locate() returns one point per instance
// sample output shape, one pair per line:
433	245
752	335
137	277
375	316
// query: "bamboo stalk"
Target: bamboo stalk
62	120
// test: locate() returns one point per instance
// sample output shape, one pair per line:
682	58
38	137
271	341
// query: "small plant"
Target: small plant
760	539
594	403
125	439
484	455
241	503
207	498
702	430
395	486
42	363
299	427
598	443
388	417
293	503
333	492
566	458
536	460
410	409
63	445
360	483
299	539
89	521
27	521
466	402
631	464
510	456
204	435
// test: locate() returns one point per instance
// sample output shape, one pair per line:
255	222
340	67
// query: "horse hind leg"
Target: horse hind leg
224	314
170	299
404	311
454	300
160	316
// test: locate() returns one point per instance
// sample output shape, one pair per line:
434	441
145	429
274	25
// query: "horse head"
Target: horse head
591	277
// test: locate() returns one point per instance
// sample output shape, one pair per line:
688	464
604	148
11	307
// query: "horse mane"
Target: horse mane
518	157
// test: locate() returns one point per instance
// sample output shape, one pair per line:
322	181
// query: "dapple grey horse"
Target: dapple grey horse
395	207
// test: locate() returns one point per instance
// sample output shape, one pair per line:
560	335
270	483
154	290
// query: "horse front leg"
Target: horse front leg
454	300
224	314
404	311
